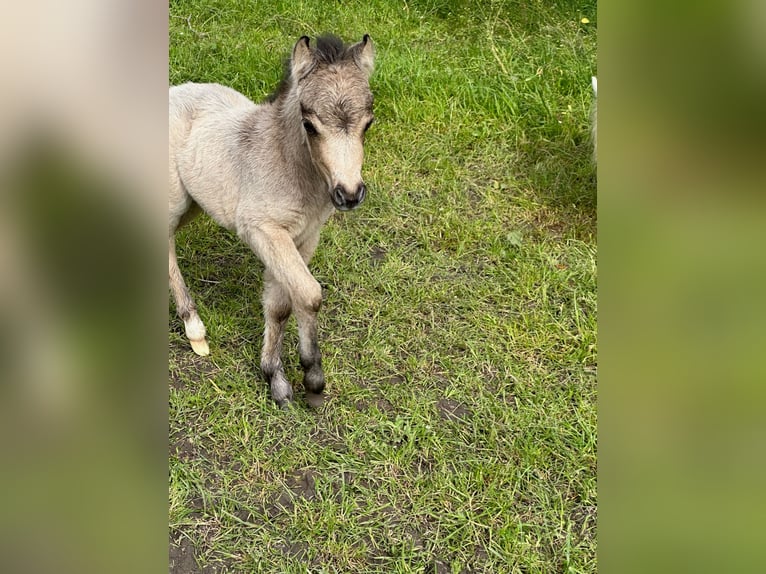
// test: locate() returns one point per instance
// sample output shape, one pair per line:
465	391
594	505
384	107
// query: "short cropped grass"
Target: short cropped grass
459	318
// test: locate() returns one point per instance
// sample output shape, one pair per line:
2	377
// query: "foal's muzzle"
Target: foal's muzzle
344	201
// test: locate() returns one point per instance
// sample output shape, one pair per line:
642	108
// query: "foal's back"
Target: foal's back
190	102
206	159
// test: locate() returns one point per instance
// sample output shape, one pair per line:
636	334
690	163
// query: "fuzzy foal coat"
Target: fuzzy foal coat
273	173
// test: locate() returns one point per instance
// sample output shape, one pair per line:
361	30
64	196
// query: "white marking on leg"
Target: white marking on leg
195	331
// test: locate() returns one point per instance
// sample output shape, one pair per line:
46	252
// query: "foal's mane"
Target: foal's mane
329	49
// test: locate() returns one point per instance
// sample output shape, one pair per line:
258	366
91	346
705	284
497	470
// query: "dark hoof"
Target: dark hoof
313	381
285	404
315	400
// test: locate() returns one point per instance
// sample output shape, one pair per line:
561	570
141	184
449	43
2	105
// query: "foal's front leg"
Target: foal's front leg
311	356
288	276
276	311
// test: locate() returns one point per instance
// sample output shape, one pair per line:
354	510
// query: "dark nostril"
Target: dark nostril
361	191
338	195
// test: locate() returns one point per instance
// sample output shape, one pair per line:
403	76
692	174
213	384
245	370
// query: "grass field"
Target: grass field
459	319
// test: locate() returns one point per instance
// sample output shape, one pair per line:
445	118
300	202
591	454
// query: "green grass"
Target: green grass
459	318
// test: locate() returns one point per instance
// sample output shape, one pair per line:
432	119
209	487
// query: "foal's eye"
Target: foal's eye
309	127
368	124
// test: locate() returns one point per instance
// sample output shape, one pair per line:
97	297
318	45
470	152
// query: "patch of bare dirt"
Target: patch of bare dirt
422	465
332	440
453	410
302	484
392	380
384	405
187	366
377	255
297	550
349	482
182	559
584	521
299	485
183	448
187	449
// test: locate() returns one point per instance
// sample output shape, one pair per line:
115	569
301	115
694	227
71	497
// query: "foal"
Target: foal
273	173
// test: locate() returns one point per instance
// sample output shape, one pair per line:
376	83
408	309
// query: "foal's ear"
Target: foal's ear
364	54
302	61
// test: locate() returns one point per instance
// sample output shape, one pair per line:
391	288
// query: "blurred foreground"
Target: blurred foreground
682	270
83	410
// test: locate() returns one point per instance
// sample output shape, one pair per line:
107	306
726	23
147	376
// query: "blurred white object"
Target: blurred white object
593	117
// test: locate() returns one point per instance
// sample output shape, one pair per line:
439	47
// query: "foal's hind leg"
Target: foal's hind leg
182	210
187	310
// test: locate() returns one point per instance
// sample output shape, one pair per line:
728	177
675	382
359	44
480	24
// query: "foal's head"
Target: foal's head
331	82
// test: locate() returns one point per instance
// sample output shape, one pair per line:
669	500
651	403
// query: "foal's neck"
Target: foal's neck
291	138
290	144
